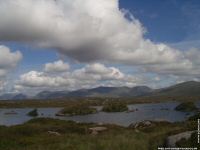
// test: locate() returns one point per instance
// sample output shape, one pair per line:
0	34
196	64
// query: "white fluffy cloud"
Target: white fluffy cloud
99	72
40	79
57	66
8	61
89	30
89	76
2	85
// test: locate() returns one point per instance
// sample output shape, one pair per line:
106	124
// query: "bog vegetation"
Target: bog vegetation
40	134
115	106
33	113
186	107
78	109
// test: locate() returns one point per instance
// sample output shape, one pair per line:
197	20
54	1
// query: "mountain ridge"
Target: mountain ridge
189	88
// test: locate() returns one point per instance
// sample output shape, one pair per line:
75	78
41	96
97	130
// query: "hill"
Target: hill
190	88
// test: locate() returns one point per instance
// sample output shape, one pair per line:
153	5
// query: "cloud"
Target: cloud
86	77
8	60
2	85
3	72
99	72
57	66
187	67
41	79
88	31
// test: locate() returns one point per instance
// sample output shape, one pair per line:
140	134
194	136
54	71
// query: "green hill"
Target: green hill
190	88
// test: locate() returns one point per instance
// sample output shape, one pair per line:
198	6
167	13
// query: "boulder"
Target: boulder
142	124
96	130
173	139
60	115
54	133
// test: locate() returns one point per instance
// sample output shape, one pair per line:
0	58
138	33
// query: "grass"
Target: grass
114	106
91	101
80	109
50	103
186	107
34	135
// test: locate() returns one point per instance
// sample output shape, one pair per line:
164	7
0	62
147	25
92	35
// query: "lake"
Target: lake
153	111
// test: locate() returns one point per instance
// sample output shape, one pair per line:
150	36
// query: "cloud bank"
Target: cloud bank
89	31
92	75
94	33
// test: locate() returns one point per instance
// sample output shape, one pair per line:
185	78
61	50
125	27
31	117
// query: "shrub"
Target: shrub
76	110
115	106
33	113
186	107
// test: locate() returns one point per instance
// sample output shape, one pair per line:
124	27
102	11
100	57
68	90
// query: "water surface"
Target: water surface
156	111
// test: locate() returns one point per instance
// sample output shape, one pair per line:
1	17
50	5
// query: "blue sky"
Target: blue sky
168	21
172	22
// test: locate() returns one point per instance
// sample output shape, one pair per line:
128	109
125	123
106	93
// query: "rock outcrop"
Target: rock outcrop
142	124
97	130
173	139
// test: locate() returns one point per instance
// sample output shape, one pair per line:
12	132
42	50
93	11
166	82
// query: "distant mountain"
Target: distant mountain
120	91
6	96
97	92
190	88
51	95
186	89
13	96
100	92
19	97
140	91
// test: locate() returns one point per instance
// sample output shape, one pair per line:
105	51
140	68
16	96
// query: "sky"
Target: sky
69	45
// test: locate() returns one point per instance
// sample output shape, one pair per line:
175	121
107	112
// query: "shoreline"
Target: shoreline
90	102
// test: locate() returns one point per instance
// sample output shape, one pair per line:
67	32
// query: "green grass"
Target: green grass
92	101
115	106
34	135
51	103
186	107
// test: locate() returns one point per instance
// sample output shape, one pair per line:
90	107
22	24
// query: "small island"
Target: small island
115	106
186	107
74	110
195	117
33	113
